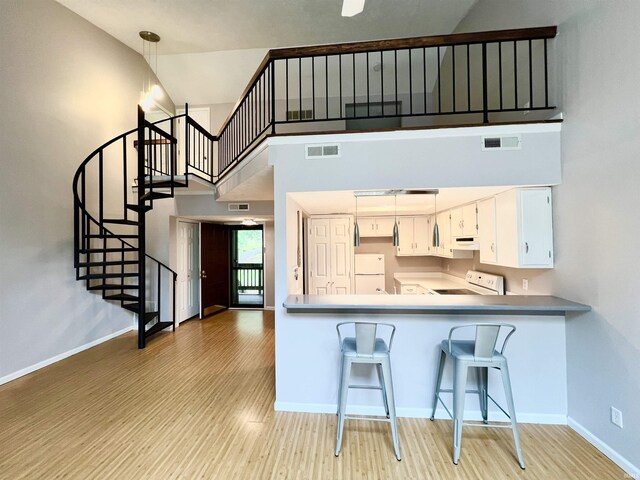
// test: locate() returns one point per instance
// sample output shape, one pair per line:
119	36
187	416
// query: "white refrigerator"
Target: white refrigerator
369	273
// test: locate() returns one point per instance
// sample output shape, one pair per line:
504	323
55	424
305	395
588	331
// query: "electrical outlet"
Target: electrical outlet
525	284
616	416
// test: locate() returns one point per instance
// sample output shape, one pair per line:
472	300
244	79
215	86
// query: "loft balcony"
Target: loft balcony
483	78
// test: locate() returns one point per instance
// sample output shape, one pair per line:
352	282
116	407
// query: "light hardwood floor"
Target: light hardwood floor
198	403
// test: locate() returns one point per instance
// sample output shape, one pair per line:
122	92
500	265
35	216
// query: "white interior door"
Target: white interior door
200	115
188	293
341	254
319	253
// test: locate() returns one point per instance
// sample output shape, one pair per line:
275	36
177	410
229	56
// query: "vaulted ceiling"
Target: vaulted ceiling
210	48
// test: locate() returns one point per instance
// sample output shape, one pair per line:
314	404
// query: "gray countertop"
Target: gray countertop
433	304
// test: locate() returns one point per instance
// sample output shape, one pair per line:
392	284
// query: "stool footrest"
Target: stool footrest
365	387
486	425
448	390
365	417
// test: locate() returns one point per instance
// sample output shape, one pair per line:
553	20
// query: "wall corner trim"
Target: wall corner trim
62	356
632	470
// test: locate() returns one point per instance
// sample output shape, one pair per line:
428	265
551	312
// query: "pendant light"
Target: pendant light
396	232
436	230
356	229
150	92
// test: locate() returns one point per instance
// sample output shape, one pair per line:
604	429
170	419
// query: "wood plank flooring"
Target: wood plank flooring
198	403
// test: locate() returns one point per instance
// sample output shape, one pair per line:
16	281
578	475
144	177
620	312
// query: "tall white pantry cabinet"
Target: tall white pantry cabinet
330	254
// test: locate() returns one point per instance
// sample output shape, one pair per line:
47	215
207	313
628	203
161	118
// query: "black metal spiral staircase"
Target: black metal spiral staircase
109	216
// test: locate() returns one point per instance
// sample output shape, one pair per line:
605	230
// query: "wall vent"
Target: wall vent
511	142
238	207
299	115
323	151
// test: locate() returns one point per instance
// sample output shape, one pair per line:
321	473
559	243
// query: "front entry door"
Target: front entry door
214	276
247	267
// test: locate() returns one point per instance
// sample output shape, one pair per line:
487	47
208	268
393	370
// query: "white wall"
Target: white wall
594	219
67	87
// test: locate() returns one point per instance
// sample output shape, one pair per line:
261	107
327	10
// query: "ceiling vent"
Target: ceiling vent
511	142
323	151
238	207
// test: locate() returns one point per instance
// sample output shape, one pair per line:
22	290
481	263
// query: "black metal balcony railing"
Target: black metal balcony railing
412	79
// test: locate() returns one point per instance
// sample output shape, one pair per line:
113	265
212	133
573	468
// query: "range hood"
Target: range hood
466	243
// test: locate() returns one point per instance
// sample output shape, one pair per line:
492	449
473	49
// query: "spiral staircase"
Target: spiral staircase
109	215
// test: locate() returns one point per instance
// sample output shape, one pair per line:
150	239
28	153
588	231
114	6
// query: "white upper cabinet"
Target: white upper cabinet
464	222
415	237
524	228
375	226
487	230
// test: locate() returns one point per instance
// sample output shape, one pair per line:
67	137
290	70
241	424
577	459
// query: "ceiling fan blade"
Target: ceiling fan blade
352	7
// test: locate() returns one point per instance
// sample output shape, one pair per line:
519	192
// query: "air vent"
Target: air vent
323	151
299	115
511	142
238	207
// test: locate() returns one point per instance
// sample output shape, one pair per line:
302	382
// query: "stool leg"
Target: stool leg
388	381
340	384
382	386
436	394
342	401
459	390
504	369
483	380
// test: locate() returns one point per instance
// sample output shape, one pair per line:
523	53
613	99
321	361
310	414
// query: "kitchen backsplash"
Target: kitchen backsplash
539	279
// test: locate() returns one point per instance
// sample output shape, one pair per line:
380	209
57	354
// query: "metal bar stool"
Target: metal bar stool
480	353
365	347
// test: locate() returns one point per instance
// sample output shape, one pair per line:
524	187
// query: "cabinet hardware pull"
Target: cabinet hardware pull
526	247
492	247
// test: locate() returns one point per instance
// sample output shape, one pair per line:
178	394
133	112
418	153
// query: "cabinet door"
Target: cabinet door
367	226
341	254
536	232
319	256
384	226
421	235
444	225
507	229
405	231
469	221
456	222
487	230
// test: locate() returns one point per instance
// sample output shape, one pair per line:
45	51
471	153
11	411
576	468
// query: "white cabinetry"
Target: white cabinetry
524	230
375	226
415	237
464	221
330	254
487	230
446	239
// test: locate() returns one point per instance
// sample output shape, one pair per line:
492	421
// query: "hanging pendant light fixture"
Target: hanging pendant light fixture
356	229
150	92
436	230
396	232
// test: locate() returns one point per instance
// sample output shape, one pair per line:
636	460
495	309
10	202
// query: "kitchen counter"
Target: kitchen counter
433	304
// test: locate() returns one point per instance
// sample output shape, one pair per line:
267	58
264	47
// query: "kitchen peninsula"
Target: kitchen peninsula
536	352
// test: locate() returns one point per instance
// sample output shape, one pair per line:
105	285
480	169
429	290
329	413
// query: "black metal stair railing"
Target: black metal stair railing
481	75
109	224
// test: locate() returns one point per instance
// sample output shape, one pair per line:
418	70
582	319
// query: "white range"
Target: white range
437	283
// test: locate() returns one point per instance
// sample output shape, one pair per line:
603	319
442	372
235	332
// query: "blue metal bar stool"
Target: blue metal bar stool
480	353
366	347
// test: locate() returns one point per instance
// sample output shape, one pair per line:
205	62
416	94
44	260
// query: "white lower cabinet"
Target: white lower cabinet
524	228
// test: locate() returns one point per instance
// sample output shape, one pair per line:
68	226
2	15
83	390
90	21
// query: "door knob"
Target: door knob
203	274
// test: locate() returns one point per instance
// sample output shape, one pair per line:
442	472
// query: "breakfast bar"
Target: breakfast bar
307	351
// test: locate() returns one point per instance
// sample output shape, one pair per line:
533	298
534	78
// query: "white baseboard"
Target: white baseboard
631	470
62	356
408	412
269	307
